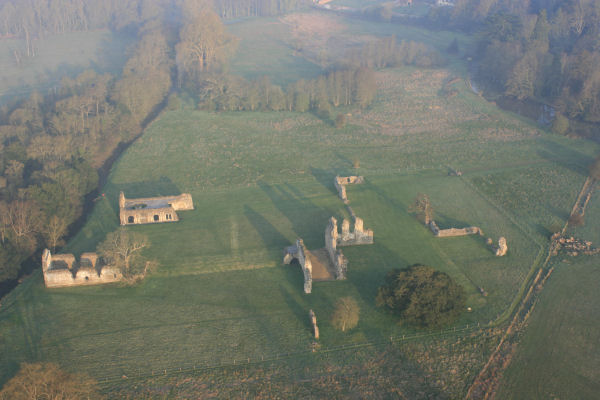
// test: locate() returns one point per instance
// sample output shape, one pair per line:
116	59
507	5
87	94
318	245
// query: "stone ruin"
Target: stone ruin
348	238
152	210
337	262
502	248
340	183
572	246
313	322
450	232
300	253
61	270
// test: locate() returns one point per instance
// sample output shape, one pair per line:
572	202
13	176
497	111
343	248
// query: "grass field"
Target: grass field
57	56
220	294
264	51
558	357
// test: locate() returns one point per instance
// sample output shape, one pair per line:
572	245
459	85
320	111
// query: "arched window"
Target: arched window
130	219
155	217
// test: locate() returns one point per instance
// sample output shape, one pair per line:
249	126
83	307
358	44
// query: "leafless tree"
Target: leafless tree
120	246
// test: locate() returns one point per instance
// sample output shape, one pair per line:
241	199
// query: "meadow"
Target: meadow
56	56
220	295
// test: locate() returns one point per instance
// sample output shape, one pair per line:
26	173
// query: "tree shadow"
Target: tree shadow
270	235
308	220
297	309
325	178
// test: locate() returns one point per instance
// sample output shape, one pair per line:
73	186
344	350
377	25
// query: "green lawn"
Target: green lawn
57	56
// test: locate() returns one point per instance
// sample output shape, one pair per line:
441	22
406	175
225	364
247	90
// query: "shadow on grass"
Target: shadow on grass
306	217
325	178
270	235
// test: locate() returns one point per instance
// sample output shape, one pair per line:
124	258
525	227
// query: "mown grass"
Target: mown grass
259	181
558	356
57	56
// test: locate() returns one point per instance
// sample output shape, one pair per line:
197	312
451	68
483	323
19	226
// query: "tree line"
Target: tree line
537	49
336	88
51	146
388	53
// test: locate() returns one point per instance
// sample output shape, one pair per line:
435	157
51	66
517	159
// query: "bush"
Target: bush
345	315
560	124
422	296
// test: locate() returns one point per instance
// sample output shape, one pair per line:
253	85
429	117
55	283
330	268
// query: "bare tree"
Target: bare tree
120	246
346	313
422	208
54	230
23	218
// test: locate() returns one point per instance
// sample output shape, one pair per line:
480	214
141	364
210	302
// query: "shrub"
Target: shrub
422	296
560	124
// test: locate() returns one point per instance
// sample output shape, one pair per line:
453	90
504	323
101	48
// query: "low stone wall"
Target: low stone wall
451	232
300	253
62	270
340	183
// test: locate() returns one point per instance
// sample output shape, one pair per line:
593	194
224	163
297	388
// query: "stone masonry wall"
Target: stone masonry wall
299	252
151	210
337	258
340	183
61	270
451	232
356	237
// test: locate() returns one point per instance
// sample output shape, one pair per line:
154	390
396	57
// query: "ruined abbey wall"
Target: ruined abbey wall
153	210
340	183
300	253
450	232
337	258
356	237
61	270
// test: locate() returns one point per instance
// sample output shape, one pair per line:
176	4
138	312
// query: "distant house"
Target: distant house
404	3
444	3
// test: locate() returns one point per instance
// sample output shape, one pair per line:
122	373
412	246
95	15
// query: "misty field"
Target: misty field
56	56
220	294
